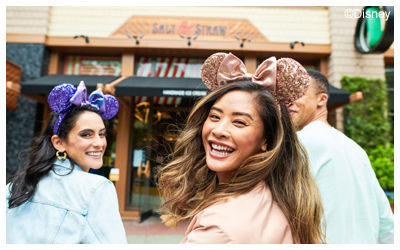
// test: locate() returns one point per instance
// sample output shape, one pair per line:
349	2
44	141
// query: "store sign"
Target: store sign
187	93
185	29
215	28
375	29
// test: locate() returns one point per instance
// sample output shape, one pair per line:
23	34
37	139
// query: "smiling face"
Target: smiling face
86	142
304	109
232	133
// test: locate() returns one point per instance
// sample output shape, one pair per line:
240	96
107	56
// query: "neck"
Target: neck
321	115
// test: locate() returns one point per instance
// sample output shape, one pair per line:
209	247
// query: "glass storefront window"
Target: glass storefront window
156	122
109	154
89	65
169	67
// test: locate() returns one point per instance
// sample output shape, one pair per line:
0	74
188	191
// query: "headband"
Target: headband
65	96
286	79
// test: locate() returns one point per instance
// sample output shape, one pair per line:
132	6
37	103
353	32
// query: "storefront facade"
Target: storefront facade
150	59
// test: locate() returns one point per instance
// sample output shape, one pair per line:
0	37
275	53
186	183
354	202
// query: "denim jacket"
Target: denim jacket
67	208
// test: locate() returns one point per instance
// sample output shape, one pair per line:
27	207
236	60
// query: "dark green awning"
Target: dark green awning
43	85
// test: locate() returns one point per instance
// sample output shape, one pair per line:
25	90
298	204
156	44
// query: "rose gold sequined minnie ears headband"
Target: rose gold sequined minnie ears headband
286	79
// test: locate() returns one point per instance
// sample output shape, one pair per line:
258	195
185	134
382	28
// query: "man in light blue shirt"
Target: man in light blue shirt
355	206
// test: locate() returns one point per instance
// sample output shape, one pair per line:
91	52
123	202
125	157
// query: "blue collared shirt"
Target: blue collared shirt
67	208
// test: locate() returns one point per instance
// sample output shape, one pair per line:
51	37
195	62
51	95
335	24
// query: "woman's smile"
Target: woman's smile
94	154
220	150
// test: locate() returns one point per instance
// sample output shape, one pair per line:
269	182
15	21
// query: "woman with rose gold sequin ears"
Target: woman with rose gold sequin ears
238	170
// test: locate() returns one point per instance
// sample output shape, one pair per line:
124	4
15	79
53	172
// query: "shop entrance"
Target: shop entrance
157	121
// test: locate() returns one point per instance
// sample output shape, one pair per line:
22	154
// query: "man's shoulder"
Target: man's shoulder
316	133
318	137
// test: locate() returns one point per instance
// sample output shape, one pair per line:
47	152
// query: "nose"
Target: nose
221	130
98	141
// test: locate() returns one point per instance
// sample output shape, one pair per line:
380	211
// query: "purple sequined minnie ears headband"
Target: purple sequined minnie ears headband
286	79
65	96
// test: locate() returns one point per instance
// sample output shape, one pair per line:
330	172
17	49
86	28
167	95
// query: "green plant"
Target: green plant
367	123
382	161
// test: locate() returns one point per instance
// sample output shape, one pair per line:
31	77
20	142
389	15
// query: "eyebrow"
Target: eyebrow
234	113
90	130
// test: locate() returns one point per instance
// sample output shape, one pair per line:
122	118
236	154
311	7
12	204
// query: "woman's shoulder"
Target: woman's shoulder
71	189
254	203
247	218
63	171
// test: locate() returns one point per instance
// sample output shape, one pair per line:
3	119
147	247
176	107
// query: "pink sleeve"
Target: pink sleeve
205	229
206	235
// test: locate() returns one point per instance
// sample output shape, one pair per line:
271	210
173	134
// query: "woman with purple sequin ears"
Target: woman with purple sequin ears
238	172
53	198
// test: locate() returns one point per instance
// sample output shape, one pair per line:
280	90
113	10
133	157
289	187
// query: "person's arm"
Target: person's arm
104	223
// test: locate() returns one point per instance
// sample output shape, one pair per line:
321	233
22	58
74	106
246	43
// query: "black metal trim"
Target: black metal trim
386	39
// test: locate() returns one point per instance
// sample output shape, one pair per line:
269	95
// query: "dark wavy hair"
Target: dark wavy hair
188	186
38	160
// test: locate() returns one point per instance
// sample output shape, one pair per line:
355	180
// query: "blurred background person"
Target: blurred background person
355	206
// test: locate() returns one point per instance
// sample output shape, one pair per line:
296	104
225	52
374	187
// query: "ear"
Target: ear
322	99
58	144
264	146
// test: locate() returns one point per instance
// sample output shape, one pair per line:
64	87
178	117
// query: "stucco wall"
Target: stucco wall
27	19
310	25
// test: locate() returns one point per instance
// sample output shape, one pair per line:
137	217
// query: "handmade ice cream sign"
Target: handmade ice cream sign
209	28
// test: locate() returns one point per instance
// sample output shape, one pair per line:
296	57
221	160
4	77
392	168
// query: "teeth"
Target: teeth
218	147
220	153
94	153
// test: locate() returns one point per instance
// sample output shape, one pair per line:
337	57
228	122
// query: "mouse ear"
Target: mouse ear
59	97
209	70
292	81
111	104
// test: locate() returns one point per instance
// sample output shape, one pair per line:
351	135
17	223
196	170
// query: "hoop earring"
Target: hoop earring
63	157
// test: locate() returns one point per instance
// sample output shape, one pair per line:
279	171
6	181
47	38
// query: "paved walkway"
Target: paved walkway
152	231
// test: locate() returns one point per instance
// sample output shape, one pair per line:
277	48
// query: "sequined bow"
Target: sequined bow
96	99
232	69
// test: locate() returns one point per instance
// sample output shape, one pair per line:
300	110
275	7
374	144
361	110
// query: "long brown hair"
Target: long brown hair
188	186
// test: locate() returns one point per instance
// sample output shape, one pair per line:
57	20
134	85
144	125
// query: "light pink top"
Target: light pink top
252	218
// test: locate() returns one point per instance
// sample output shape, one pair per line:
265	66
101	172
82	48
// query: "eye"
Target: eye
214	117
103	134
241	123
85	135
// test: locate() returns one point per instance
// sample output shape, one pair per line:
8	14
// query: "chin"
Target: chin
217	166
97	165
93	165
